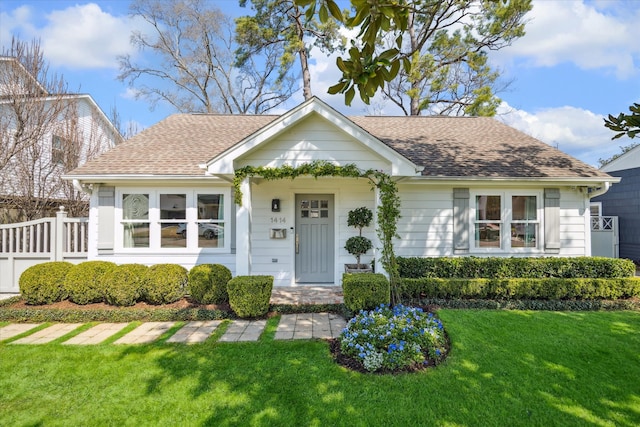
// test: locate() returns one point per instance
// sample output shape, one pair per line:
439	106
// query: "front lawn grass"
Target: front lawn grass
510	368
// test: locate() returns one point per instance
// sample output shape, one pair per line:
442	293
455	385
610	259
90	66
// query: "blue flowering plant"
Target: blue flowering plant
392	339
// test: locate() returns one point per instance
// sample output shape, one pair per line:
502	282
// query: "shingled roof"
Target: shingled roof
445	146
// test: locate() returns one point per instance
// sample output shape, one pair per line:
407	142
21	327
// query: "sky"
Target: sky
578	62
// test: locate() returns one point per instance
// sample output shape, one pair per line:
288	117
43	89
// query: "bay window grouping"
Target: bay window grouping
173	220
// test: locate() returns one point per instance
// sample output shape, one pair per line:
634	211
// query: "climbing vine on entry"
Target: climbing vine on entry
388	210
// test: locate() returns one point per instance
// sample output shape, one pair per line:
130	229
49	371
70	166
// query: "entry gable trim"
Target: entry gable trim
223	164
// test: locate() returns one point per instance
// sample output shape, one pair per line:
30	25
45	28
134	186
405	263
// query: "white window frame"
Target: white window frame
191	219
506	218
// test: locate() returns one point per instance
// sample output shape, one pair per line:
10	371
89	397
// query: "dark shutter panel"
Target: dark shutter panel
552	220
461	220
106	223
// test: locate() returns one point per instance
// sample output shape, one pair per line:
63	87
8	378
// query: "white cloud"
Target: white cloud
77	37
84	36
594	35
575	131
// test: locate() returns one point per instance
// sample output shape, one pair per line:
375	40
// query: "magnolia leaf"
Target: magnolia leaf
337	88
348	96
335	10
323	14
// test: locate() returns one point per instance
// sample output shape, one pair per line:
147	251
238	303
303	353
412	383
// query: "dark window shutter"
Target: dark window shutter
106	223
552	220
461	220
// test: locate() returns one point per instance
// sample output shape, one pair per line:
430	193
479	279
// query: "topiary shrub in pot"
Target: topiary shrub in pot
44	283
165	283
208	283
358	245
249	295
84	282
124	284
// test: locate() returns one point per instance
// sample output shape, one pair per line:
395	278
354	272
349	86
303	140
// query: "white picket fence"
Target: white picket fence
48	239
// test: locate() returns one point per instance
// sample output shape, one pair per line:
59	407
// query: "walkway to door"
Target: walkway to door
307	294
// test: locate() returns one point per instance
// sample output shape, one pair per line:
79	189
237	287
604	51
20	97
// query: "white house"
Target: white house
468	186
43	135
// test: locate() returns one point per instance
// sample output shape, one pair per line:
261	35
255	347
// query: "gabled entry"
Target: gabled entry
314	238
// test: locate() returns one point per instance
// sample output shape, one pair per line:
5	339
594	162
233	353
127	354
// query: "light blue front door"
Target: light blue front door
314	238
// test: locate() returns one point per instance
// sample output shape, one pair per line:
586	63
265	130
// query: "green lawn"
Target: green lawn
506	368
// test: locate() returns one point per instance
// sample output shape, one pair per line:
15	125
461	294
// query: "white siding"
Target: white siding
314	139
348	193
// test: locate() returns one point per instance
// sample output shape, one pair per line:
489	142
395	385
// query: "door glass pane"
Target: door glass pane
324	204
304	204
314	204
324	213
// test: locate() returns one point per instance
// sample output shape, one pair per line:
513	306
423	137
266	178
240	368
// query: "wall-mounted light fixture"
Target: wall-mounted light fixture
275	205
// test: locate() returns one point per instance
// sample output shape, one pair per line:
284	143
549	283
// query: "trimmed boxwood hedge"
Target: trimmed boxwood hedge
124	284
249	296
365	291
521	288
208	283
85	282
527	267
165	283
44	283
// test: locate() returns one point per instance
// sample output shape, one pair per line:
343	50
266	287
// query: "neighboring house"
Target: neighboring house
623	201
468	186
43	136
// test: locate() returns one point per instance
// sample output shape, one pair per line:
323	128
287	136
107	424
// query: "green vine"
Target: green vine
388	210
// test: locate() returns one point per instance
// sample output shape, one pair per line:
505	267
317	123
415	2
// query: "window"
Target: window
173	220
135	220
57	150
506	221
524	222
210	220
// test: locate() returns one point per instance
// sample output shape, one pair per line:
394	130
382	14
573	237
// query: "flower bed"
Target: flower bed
393	339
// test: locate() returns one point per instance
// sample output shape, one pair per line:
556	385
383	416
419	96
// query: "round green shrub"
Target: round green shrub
84	283
124	284
165	283
44	283
208	283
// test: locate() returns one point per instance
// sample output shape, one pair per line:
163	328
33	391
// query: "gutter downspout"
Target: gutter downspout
600	190
81	188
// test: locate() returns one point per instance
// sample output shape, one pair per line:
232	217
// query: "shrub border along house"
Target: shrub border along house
585	278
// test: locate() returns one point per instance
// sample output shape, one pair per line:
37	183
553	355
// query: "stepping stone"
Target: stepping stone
97	334
14	329
195	332
244	330
309	325
48	334
145	333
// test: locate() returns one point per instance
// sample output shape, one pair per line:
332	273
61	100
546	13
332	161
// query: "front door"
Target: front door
314	238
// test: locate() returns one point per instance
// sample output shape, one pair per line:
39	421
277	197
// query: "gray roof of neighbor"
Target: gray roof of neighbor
444	146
